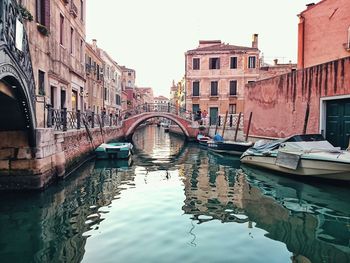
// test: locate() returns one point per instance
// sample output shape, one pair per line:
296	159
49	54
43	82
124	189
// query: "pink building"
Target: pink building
216	74
315	98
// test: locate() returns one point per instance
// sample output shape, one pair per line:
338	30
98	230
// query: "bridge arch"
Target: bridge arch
133	122
16	108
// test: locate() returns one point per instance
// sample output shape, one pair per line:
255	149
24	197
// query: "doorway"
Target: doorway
213	115
338	122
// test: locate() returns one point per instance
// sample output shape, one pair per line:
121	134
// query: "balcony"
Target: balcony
73	10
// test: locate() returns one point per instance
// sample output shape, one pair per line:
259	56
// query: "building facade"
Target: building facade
128	87
57	46
216	74
161	103
94	78
313	99
323	32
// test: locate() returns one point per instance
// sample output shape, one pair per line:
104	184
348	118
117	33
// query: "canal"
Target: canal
176	203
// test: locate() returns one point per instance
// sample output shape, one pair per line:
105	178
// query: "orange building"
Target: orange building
216	74
324	32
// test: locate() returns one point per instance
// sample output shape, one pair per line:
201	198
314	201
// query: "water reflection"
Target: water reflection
182	196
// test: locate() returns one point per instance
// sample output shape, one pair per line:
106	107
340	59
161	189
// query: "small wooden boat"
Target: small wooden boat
229	147
235	147
114	150
202	139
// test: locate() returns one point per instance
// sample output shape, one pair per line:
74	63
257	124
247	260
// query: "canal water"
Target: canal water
176	203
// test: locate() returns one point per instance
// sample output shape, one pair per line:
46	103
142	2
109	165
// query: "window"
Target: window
196	63
81	10
251	81
195	88
233	62
40	9
233	87
81	51
41	82
195	108
251	62
71	40
117	99
61	28
214	63
98	71
129	73
232	108
214	88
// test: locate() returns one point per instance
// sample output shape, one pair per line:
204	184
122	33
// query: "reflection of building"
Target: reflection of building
57	47
216	74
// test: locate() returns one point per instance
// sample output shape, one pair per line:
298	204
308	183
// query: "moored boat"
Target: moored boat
229	147
202	139
114	150
307	155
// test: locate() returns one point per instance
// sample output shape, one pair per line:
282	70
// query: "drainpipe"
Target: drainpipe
301	42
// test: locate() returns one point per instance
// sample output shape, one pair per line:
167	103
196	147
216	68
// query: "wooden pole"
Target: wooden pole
237	126
223	129
306	120
250	120
216	127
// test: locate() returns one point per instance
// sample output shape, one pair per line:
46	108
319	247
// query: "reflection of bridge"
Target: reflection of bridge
140	114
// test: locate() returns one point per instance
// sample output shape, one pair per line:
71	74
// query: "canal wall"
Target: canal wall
291	103
56	154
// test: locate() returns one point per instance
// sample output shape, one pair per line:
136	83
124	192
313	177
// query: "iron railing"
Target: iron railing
161	108
63	120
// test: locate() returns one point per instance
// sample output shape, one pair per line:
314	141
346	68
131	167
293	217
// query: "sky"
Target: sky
152	36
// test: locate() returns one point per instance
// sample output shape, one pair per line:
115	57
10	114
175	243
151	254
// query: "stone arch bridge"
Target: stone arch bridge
142	113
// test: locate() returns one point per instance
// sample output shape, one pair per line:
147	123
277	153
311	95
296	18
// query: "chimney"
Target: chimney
255	41
309	5
275	61
94	44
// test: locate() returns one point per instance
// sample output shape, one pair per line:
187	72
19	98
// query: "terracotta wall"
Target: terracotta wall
323	31
280	104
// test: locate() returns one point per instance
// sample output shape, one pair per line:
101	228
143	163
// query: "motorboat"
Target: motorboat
219	145
114	150
307	155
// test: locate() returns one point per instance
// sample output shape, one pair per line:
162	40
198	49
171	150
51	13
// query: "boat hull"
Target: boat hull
228	148
113	151
308	168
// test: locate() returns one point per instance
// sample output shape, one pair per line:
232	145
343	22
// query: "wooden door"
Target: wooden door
338	122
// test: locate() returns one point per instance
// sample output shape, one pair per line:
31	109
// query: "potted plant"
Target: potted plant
25	13
43	29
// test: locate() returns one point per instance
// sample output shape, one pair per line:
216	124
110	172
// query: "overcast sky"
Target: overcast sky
151	36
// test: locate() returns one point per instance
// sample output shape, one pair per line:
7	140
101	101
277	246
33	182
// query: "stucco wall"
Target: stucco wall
279	104
324	27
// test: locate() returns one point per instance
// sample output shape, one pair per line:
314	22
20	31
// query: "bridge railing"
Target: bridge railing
63	120
158	107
